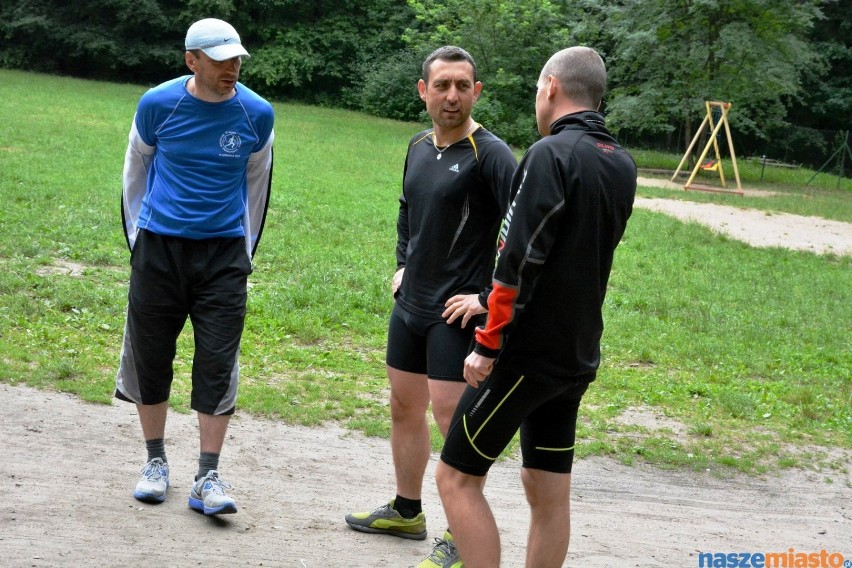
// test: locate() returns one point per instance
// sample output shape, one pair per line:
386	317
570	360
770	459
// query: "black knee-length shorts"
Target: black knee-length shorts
487	418
173	279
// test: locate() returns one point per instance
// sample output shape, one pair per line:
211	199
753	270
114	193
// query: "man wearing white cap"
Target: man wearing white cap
197	176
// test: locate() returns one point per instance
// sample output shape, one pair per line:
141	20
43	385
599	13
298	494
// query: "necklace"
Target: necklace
441	150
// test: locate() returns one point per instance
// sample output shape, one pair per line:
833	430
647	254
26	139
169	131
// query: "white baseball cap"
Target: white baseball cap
218	39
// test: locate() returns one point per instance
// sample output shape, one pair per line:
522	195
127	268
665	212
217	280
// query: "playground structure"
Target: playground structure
714	124
842	151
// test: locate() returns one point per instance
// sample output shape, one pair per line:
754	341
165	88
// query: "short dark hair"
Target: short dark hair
581	72
447	53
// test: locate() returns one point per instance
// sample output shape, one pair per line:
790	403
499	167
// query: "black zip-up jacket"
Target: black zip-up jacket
574	192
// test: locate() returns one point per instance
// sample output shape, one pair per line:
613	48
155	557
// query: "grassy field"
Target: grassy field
740	357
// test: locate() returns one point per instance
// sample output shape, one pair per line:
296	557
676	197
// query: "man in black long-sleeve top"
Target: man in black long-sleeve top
455	193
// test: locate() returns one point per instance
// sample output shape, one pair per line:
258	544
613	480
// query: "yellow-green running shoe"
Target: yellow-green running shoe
444	554
386	520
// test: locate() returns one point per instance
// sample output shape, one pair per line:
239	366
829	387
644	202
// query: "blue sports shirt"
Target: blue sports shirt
197	178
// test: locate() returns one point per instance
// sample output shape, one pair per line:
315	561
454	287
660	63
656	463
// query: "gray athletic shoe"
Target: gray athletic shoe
208	495
386	520
154	483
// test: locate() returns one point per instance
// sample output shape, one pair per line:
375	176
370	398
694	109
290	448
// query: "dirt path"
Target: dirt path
68	469
755	227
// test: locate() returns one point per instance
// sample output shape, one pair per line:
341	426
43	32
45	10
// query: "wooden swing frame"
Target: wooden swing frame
708	122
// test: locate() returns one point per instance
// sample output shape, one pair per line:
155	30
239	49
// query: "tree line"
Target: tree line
779	62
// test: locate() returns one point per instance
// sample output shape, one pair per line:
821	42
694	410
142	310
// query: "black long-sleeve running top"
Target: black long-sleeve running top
574	194
450	211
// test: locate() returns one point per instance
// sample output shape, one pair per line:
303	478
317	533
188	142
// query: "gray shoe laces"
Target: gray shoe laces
443	549
218	485
153	470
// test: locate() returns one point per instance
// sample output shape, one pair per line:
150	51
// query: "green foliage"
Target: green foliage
319	51
116	39
667	58
777	61
827	98
389	87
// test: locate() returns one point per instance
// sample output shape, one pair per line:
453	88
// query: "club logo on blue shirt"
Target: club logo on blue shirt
230	142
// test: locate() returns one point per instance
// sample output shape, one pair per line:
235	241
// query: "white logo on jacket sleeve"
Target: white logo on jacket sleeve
230	142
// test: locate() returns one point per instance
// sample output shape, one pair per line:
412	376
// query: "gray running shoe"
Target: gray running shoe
154	483
208	495
386	520
444	554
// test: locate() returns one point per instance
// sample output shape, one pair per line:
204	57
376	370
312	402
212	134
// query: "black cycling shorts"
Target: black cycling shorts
487	418
428	346
172	279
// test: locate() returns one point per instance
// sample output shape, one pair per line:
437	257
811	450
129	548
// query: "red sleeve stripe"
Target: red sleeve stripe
501	309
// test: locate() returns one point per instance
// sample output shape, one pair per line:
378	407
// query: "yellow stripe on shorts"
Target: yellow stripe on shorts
493	412
554	449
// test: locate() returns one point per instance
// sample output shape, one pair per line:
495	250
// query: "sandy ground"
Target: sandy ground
755	227
67	470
